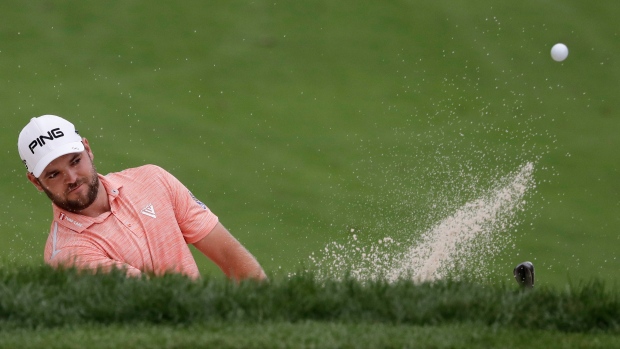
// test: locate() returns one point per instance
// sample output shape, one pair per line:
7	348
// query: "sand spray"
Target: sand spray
461	243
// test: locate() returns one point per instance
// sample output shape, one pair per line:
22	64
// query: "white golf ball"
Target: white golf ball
559	52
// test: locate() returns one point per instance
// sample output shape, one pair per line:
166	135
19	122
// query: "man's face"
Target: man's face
71	181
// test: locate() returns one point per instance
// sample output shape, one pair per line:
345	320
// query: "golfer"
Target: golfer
140	220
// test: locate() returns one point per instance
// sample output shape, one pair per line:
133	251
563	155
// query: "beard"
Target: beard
81	203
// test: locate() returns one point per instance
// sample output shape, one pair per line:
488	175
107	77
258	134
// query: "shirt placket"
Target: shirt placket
126	219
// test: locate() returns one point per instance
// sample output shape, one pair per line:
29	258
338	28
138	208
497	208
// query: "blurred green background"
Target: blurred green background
296	122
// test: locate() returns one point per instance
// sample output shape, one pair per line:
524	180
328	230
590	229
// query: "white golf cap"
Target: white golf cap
46	138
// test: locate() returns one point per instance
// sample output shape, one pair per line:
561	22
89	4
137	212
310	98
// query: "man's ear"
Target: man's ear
35	181
87	148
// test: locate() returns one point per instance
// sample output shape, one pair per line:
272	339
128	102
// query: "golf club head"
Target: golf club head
524	274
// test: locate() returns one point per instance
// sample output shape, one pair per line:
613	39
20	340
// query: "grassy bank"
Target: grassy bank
44	308
306	334
41	297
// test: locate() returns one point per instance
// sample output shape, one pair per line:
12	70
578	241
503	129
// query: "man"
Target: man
140	220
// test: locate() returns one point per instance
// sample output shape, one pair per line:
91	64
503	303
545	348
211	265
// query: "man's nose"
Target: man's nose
70	176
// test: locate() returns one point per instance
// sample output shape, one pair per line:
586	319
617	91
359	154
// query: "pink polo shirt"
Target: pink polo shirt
152	220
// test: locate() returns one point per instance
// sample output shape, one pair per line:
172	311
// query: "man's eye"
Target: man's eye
53	175
76	161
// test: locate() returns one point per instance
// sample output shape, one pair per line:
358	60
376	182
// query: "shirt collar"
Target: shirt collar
111	186
78	222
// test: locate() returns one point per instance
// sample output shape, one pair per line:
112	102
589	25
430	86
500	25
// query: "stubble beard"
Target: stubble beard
80	203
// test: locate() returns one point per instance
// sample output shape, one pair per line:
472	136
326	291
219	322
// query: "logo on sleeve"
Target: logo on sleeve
204	207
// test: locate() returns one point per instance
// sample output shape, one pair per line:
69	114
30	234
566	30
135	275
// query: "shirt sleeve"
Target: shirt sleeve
194	217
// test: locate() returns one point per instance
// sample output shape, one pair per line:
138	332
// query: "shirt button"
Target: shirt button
129	225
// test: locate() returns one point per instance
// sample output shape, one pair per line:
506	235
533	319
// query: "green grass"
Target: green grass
296	122
308	334
41	306
42	297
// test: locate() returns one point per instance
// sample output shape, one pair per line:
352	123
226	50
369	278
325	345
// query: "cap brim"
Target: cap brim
73	147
